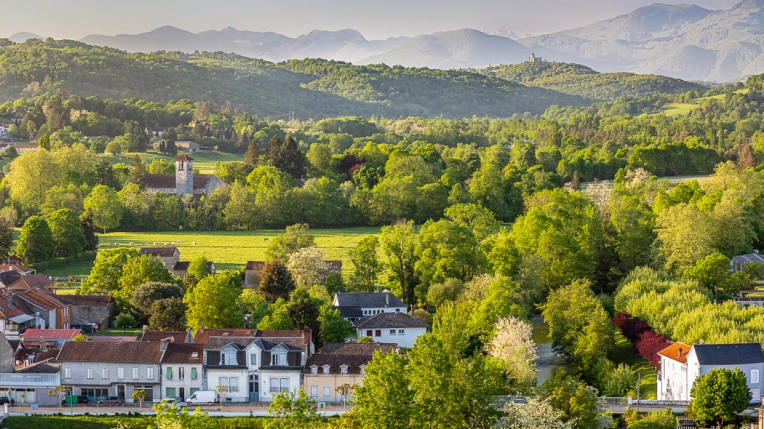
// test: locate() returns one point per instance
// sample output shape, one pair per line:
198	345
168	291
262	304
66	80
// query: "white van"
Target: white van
203	397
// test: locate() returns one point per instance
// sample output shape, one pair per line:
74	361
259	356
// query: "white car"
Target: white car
177	400
518	401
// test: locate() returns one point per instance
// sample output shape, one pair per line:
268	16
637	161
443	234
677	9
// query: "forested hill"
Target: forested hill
310	88
576	79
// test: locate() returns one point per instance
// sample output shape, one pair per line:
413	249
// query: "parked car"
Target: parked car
110	400
518	401
203	397
177	400
6	400
78	399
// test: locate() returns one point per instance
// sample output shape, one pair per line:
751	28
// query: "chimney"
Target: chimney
397	311
201	328
680	352
387	299
163	344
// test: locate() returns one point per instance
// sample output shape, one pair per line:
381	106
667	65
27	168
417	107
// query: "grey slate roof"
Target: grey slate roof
729	354
369	300
350	311
390	320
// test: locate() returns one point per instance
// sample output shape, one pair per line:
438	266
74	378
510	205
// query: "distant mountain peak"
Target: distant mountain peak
23	37
750	4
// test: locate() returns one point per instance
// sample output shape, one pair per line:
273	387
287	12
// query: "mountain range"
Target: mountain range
682	41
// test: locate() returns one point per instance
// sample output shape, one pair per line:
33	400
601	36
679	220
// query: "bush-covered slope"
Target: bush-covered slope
580	80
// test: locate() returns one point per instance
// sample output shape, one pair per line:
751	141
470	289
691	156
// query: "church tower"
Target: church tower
184	175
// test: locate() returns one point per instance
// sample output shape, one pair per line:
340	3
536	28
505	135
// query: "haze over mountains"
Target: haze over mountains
682	41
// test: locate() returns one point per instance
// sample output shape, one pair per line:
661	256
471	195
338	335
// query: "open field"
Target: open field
625	353
228	249
673	109
204	161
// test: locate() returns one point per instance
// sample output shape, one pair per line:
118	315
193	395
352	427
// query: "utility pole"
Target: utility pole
639	382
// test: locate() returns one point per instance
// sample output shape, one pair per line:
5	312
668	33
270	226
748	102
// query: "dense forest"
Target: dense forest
576	79
310	88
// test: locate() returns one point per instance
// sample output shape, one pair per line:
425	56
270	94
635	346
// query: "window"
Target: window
313	370
278	358
327	391
223	381
754	376
67	373
135	373
284	384
105	373
121	373
756	395
181	373
228	358
170	392
368	332
400	331
314	391
149	392
253	359
150	373
344	369
378	333
326	369
392	332
274	385
193	373
90	372
66	311
233	384
169	373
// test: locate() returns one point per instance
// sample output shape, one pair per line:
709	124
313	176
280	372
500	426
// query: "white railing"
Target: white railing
29	380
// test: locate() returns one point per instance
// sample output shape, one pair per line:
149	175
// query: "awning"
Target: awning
21	318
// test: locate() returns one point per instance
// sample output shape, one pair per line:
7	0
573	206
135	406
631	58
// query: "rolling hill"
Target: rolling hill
310	88
576	79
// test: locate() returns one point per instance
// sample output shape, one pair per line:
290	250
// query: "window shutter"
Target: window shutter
193	373
169	373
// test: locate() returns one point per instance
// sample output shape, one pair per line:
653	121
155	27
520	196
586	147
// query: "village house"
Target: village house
181	268
169	255
355	306
253	272
22	148
182	369
15	320
48	337
681	364
30	282
397	327
188	146
89	312
177	336
737	263
184	181
55	313
339	364
155	131
112	368
34	382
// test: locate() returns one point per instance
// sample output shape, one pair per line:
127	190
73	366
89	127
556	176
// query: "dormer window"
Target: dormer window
314	371
326	369
343	369
278	358
228	358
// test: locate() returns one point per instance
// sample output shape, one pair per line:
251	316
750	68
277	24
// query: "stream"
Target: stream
548	362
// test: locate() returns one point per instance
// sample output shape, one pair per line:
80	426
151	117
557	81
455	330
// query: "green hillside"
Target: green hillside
310	88
576	79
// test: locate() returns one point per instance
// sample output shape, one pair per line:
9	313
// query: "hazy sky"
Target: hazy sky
74	19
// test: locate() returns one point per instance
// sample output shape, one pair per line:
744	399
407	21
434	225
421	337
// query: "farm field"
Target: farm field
204	161
230	250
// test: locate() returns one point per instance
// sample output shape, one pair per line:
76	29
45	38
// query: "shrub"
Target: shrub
125	321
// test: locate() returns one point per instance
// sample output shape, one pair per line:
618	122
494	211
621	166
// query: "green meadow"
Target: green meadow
230	250
204	161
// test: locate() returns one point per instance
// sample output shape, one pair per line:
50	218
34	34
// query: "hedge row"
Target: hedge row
64	262
645	340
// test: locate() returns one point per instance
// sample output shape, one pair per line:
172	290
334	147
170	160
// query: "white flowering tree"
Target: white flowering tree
307	266
599	193
537	414
513	344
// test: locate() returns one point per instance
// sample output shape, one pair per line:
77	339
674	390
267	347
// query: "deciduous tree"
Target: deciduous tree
103	202
719	395
36	241
212	302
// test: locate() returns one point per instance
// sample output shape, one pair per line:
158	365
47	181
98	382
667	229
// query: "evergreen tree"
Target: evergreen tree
88	229
304	312
250	157
138	172
105	174
275	281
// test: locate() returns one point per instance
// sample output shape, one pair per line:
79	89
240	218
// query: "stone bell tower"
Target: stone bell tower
184	175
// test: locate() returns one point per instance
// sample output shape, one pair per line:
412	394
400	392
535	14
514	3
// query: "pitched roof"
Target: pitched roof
41	368
183	265
124	352
184	157
8	277
42	298
202	336
367	349
15	268
31	282
165	252
729	354
216	343
52	334
750	258
350	311
672	352
113	338
177	336
9	310
333	264
369	300
87	300
183	353
335	362
255	265
163	181
391	320
36	354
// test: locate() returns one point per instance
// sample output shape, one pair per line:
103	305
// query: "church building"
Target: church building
184	181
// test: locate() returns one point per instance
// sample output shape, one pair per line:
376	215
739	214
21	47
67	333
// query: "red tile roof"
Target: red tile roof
38	334
183	353
87	300
672	352
177	336
31	282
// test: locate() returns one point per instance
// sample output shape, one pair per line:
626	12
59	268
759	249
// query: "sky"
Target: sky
375	19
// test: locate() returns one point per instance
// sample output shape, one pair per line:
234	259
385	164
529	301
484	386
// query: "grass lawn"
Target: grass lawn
117	332
204	161
673	109
228	249
624	352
